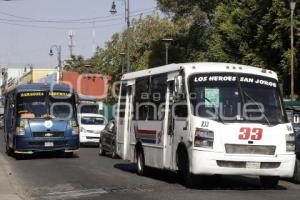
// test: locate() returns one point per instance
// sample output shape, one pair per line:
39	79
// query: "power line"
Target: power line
80	20
58	28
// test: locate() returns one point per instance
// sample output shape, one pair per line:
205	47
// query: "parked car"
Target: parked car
293	113
107	142
91	126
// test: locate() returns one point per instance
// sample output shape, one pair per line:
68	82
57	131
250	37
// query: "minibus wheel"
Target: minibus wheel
9	151
297	170
140	163
269	181
184	169
69	154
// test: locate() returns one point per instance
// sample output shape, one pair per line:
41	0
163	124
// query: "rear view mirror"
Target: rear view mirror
179	84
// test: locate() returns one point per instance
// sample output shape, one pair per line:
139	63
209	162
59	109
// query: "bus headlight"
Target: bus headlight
290	142
204	138
20	131
75	131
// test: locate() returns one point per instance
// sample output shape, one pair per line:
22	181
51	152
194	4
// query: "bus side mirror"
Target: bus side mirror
178	84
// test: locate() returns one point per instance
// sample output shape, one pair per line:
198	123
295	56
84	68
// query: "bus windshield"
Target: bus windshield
31	104
236	97
45	105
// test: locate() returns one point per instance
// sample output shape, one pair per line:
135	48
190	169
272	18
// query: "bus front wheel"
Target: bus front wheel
9	151
184	169
297	170
269	181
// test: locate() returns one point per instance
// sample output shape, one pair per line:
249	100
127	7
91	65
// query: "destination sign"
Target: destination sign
31	94
258	80
60	94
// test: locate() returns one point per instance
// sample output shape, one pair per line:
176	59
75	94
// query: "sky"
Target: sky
28	28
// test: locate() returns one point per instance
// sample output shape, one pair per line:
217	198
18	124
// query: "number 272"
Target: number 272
248	133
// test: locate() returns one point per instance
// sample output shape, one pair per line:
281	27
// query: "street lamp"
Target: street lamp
51	53
167	42
113	11
292	6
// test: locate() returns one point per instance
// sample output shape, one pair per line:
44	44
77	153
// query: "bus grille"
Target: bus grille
48	134
250	149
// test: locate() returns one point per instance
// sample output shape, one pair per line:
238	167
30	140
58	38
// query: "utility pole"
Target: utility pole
58	49
292	6
71	42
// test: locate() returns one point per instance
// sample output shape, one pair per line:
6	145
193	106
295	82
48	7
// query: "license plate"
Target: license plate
253	165
49	144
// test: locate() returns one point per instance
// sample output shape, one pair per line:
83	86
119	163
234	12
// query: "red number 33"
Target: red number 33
247	133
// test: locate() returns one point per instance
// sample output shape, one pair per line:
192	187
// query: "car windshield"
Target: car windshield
92	121
233	97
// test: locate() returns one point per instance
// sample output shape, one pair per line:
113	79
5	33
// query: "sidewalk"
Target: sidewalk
6	188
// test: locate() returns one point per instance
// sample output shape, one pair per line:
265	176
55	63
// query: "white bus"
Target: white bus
205	119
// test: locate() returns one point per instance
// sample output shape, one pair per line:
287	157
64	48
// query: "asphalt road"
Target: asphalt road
92	177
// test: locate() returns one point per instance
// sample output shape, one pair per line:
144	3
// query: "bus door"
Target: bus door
128	124
169	127
180	116
10	120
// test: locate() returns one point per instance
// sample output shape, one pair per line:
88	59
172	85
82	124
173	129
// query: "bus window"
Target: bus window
123	100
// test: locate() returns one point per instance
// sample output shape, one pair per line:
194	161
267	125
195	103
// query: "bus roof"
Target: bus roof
41	87
204	67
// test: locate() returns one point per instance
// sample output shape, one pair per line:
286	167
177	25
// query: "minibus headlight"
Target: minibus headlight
290	142
75	131
20	131
204	138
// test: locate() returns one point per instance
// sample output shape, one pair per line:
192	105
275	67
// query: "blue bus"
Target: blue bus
41	117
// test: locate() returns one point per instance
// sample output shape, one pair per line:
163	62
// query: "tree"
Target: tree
145	42
254	32
81	65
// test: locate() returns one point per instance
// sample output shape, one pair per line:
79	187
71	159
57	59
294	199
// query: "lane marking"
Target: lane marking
75	194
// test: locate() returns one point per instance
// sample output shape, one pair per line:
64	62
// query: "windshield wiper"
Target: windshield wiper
218	114
253	100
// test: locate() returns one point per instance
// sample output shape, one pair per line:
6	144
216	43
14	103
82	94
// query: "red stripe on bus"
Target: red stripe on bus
150	132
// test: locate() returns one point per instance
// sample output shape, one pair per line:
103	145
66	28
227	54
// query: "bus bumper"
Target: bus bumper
33	145
210	163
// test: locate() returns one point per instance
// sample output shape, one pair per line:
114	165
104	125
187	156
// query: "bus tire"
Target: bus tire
101	150
9	151
140	163
297	170
69	154
184	168
269	182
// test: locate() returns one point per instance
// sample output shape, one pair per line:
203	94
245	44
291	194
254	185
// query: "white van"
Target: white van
90	127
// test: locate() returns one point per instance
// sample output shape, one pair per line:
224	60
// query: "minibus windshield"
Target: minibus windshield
45	105
31	104
236	97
